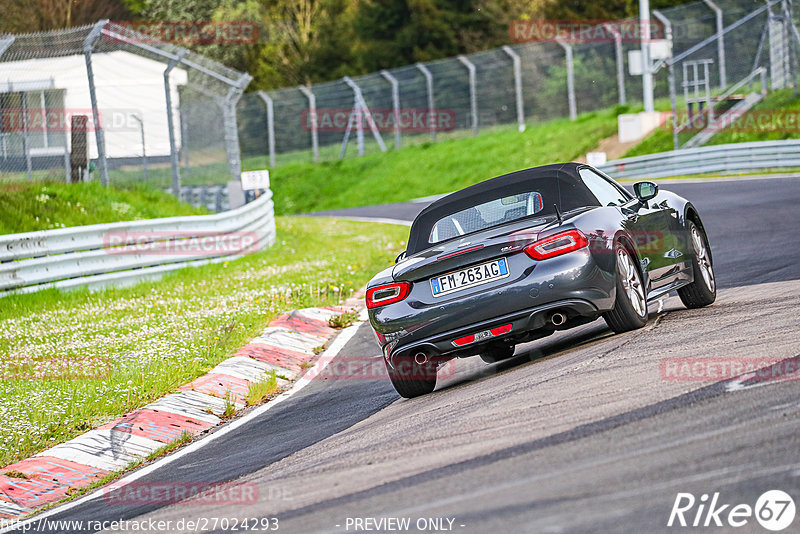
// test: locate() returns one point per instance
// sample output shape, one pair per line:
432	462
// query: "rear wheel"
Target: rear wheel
412	379
630	307
497	353
703	290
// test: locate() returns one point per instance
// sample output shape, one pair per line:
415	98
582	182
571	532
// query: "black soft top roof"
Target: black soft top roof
560	181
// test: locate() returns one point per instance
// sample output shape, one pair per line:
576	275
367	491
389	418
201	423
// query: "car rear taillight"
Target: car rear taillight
387	294
557	244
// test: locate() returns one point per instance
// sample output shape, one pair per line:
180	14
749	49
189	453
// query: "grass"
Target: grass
26	207
344	320
784	99
136	344
257	392
432	168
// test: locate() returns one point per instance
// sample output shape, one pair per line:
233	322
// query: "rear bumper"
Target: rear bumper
578	283
523	323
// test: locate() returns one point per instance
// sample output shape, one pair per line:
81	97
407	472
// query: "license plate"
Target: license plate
469	277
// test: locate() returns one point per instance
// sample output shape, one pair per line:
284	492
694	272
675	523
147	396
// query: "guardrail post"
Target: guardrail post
395	106
231	128
312	110
723	77
431	111
270	126
515	60
573	112
473	97
88	46
173	151
619	61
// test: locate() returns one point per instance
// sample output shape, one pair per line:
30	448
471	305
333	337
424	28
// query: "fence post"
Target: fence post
673	99
144	151
173	151
723	78
517	86
620	62
231	127
270	126
184	138
312	109
473	97
431	111
361	112
5	44
88	46
573	112
395	106
26	141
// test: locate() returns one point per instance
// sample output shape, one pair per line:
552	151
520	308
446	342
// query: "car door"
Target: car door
648	226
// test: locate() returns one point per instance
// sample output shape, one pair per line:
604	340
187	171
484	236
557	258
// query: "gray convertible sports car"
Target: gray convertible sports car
519	256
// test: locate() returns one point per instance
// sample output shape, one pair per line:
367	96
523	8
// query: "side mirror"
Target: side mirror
644	191
400	257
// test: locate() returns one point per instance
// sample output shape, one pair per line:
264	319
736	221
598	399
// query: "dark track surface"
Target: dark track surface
590	440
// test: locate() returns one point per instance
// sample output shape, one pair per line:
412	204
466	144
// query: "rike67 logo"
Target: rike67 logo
774	510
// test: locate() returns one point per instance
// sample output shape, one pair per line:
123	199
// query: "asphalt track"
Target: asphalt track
580	432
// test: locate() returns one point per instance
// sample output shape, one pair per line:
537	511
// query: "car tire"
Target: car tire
703	290
411	379
497	353
630	306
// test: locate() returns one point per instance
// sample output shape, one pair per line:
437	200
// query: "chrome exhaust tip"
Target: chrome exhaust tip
421	358
558	318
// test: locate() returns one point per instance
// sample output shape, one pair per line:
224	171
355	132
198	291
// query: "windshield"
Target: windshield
530	193
486	215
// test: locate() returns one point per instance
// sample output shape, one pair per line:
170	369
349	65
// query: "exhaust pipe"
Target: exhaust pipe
421	358
558	318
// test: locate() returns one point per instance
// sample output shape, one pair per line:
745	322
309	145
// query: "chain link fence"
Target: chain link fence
52	83
102	102
462	107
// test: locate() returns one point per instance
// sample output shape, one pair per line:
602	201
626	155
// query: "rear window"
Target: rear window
492	213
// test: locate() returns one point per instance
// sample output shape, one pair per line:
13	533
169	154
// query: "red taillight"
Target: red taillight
480	336
500	330
387	294
557	244
466	340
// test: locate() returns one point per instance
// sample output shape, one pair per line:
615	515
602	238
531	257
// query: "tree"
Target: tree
26	16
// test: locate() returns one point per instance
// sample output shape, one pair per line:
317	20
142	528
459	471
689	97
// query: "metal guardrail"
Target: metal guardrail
726	159
124	253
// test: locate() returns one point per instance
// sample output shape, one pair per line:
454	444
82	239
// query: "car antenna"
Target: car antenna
558	214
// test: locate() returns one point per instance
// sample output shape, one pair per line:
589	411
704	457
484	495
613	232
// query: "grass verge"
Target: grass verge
432	168
27	207
134	345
